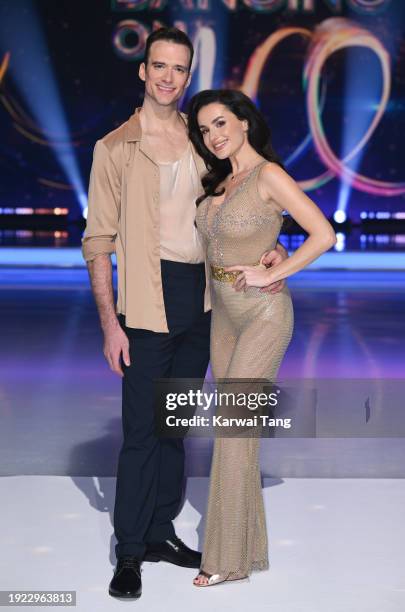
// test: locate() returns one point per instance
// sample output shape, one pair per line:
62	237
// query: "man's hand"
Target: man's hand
270	259
115	344
115	340
256	276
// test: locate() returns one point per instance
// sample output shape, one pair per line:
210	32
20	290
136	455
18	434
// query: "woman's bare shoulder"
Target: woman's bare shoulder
272	177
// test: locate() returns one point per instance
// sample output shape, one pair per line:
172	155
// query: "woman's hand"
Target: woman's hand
270	259
250	276
267	260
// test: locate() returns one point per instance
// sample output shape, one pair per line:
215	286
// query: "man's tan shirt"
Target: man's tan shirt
124	217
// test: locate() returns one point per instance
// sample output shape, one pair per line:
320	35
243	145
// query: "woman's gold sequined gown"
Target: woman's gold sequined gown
250	332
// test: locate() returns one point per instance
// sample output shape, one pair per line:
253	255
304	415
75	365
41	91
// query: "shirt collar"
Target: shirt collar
134	129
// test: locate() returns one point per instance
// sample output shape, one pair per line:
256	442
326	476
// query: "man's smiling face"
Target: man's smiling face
167	74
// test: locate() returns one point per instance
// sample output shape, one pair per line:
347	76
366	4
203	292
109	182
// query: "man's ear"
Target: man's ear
188	80
142	71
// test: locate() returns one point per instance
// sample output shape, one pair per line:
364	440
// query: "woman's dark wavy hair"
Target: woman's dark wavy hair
258	134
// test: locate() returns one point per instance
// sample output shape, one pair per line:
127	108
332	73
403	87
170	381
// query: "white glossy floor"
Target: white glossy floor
336	545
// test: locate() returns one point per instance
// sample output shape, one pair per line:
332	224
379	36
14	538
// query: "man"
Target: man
144	182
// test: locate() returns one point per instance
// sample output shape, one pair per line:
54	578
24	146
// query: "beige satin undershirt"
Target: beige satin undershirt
179	189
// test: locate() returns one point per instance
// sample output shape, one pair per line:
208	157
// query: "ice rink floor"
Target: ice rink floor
335	545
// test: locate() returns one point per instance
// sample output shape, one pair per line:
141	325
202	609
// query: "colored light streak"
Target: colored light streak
31	71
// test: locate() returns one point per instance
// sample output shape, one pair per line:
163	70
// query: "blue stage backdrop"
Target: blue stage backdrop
328	74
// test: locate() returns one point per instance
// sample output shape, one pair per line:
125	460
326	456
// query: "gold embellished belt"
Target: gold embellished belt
219	274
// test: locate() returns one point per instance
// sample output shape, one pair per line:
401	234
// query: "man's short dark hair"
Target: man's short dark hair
171	35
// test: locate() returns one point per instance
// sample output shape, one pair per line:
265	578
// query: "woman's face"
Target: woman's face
223	133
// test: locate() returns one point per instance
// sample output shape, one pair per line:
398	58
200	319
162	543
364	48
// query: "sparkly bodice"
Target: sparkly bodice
239	230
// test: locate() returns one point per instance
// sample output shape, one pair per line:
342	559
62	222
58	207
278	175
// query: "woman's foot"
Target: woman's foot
204	579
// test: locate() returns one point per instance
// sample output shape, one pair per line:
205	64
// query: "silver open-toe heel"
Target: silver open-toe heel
217	579
212	579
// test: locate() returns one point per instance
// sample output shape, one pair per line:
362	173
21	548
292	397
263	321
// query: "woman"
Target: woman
240	216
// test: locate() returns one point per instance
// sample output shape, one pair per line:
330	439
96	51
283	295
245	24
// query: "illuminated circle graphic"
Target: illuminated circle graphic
332	35
120	43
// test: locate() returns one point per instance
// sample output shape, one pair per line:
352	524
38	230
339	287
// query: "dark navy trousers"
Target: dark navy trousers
151	469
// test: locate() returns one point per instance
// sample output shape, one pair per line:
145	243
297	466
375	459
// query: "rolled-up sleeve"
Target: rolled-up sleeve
103	205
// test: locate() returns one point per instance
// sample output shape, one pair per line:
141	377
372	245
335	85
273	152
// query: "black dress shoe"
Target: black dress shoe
173	551
127	578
